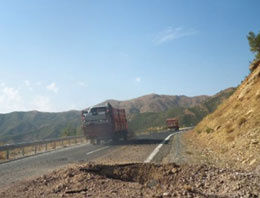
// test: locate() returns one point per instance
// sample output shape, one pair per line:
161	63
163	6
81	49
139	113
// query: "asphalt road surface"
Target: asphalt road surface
37	165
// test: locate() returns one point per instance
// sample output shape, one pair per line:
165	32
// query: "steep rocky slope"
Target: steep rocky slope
232	132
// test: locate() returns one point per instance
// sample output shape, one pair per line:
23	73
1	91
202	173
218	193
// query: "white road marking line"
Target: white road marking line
97	150
156	150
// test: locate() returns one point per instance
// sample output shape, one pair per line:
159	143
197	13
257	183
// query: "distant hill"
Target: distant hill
189	115
34	125
143	112
157	103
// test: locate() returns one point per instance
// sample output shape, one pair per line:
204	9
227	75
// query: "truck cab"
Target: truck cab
96	115
104	122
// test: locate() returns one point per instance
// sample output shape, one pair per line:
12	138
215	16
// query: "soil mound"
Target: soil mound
139	180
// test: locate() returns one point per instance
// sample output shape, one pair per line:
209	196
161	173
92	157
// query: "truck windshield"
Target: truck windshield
98	110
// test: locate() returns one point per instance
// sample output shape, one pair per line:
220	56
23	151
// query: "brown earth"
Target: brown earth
139	180
231	135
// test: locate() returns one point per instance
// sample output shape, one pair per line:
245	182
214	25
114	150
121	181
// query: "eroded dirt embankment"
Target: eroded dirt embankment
139	180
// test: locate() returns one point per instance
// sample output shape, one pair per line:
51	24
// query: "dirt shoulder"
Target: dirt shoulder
221	156
139	180
121	173
179	153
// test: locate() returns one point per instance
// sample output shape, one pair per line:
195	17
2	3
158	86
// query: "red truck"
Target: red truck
172	123
104	122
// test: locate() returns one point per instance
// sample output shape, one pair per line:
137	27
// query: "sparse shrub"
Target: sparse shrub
209	130
230	139
241	121
236	106
198	131
223	151
228	126
254	43
230	130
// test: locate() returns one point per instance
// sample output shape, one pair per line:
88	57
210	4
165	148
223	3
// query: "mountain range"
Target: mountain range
156	103
142	112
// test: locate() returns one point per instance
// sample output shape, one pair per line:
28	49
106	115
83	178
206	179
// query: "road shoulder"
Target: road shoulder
180	152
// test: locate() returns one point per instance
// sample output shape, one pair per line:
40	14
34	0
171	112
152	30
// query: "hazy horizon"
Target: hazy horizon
99	103
62	55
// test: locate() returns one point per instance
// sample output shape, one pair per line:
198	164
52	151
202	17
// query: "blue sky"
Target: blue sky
57	55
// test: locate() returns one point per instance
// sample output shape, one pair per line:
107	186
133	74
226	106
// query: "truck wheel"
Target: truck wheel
115	139
125	137
97	141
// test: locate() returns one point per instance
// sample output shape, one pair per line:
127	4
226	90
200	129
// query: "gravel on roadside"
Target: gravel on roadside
139	180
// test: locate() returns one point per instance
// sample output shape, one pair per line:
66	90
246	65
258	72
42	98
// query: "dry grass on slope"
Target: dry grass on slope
232	132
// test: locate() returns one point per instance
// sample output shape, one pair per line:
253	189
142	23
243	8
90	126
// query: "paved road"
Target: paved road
37	165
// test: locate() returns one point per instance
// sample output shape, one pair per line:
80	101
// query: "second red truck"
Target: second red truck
173	123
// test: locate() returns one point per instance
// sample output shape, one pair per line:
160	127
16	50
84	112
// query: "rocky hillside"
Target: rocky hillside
34	125
232	132
157	103
187	116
